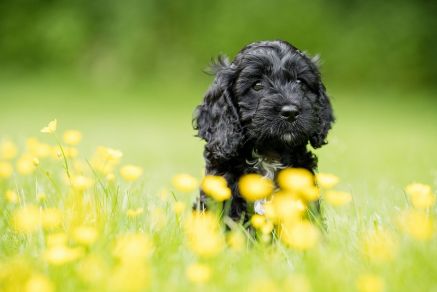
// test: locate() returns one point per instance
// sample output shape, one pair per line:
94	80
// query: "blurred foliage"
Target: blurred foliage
365	43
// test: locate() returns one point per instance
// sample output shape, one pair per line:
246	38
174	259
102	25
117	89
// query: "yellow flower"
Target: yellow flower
298	283
257	221
85	235
300	235
25	164
267	227
379	246
184	183
38	149
69	152
327	180
51	218
6	169
255	187
262	284
310	194
131	248
204	235
216	187
132	213
8	150
51	127
92	270
26	219
81	183
12	197
416	224
72	137
105	159
129	277
198	273
287	208
60	254
110	177
39	283
420	195
370	283
236	240
295	180
338	198
130	172
35	162
178	207
55	239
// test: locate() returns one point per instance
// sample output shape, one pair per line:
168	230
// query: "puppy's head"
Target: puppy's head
271	94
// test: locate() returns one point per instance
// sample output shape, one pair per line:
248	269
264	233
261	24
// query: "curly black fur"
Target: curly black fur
243	113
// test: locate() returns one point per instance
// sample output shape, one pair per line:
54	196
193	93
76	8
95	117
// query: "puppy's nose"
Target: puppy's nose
289	112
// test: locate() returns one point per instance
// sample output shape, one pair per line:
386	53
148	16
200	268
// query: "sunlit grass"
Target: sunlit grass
107	229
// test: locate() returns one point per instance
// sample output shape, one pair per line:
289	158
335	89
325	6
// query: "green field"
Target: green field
381	142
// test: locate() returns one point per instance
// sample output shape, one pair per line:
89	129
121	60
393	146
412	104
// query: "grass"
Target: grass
380	143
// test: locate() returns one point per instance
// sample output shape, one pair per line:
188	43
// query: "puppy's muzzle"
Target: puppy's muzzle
289	112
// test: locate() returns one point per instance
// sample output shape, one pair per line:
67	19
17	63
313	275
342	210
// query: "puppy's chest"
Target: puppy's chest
265	166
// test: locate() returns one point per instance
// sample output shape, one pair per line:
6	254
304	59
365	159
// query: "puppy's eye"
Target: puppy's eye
257	86
299	81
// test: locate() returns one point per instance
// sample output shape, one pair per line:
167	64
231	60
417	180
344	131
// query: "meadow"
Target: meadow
103	209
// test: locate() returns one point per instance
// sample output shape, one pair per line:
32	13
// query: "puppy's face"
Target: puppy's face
277	90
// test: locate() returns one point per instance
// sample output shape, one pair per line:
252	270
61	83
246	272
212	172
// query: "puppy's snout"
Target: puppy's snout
289	112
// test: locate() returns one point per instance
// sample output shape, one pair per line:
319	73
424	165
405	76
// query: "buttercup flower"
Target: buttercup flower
216	187
198	273
295	180
337	198
257	221
131	172
236	240
39	283
255	187
327	180
379	246
81	183
26	164
8	150
370	283
184	183
420	195
300	236
287	208
417	224
6	169
85	235
72	137
12	196
54	239
132	247
60	254
26	219
204	235
51	218
178	207
50	128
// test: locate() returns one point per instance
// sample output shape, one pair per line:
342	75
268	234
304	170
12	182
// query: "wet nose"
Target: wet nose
289	112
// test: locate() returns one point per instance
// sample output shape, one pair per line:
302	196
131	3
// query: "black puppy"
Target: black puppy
259	115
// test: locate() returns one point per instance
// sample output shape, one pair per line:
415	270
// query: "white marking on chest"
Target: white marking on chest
266	167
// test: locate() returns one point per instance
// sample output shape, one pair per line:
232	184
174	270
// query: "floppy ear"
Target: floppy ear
217	119
325	118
